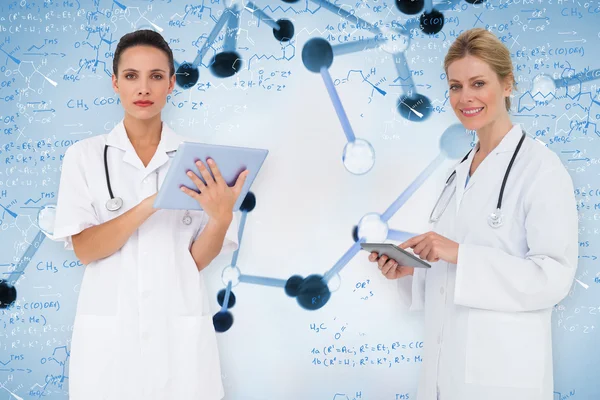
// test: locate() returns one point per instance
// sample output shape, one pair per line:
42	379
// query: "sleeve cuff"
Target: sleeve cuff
417	291
231	242
64	234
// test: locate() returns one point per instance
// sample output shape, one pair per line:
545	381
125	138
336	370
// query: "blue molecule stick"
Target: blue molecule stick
347	16
260	14
226	300
428	6
261	280
577	78
337	104
357	46
343	261
26	258
231	32
399	236
240	236
412	188
211	38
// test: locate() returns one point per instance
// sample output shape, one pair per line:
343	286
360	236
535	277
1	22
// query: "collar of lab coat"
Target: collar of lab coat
508	144
169	142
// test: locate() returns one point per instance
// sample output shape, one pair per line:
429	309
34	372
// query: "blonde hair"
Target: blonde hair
480	43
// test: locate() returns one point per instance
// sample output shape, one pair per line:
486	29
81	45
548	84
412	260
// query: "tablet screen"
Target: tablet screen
230	160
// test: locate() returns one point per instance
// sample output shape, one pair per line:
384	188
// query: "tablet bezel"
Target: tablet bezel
396	253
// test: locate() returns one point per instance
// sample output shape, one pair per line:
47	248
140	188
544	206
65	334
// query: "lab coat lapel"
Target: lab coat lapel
461	176
489	164
118	138
169	141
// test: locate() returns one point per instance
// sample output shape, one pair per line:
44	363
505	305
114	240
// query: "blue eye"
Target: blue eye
479	83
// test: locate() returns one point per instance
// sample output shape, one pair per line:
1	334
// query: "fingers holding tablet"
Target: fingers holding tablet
389	267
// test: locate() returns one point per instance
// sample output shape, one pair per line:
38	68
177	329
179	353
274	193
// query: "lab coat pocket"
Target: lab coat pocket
505	349
93	354
195	366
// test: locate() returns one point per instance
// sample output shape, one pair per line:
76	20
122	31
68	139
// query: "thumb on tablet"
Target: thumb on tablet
239	183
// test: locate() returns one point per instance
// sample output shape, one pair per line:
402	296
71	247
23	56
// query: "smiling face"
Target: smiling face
143	81
476	93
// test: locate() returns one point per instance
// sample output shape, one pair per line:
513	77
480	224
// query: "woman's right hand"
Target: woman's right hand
389	267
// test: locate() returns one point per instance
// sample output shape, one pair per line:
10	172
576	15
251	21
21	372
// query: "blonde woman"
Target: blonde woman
503	249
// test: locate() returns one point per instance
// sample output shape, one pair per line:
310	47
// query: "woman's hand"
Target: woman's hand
216	197
389	267
432	247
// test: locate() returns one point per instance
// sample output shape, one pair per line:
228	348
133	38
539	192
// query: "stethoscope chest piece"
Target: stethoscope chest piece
187	219
495	219
114	204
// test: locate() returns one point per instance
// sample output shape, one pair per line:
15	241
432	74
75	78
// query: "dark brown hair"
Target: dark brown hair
145	37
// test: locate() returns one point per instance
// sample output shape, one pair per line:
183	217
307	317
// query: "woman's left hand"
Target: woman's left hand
432	247
216	197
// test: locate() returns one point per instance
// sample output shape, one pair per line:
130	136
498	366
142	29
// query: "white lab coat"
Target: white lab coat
143	329
488	318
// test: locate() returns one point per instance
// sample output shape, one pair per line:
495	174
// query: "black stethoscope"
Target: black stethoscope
495	219
115	203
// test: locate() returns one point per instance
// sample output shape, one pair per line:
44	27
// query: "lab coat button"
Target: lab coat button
442	290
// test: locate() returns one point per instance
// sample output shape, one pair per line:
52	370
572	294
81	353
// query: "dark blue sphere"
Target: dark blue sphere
432	22
355	233
410	7
186	76
222	321
317	53
292	285
313	293
249	202
8	294
221	298
415	108
226	64
285	32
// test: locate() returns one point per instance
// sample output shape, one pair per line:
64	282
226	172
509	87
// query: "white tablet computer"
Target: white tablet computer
403	257
231	161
